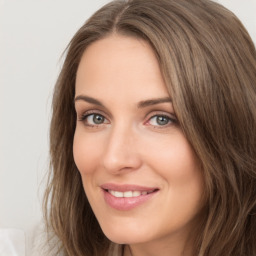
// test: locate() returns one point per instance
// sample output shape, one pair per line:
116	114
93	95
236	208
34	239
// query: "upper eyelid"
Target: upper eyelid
81	113
84	116
91	112
161	113
171	116
170	120
168	117
82	110
95	114
151	107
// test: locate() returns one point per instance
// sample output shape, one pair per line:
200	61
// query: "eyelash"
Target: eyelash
88	114
170	120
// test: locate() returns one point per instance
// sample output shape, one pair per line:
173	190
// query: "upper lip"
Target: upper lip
126	187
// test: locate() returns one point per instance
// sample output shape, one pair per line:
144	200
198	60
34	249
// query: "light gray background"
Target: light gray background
33	35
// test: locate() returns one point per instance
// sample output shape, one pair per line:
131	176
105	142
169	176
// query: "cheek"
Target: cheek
86	152
173	157
179	167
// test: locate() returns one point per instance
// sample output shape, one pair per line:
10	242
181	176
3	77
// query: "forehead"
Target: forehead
119	63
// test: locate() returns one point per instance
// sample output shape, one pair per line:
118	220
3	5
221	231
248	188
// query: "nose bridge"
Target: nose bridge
121	151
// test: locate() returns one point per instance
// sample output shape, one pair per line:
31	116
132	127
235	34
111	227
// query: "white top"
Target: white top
40	245
14	242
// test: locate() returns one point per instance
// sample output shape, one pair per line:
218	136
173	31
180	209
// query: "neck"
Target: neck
175	249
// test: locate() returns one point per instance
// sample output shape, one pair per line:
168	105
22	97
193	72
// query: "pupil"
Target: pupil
97	119
161	120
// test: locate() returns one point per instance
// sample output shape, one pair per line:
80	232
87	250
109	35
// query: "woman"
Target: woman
153	134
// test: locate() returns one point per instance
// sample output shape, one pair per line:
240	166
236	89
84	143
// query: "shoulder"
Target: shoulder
42	243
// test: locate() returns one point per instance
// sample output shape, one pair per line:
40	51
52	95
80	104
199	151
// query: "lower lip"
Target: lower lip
126	203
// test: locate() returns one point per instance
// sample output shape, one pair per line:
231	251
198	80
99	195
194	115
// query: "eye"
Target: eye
94	119
160	120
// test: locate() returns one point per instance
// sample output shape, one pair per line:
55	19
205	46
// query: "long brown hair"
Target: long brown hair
208	61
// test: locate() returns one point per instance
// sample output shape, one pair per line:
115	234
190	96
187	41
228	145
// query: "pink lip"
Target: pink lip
126	203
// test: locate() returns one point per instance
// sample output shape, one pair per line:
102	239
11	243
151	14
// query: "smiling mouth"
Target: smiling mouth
127	197
129	194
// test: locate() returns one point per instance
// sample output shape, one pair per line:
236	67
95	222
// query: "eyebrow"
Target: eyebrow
88	99
150	102
141	104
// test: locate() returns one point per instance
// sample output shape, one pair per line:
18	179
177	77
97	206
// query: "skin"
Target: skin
132	143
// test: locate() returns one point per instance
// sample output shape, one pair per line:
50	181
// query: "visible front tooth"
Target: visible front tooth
136	193
128	194
116	193
111	192
119	194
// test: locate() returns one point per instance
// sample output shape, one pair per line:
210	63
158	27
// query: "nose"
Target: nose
121	152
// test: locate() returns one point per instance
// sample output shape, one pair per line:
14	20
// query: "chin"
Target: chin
125	239
122	235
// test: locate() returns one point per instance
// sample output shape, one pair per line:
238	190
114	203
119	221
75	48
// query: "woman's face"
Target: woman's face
139	172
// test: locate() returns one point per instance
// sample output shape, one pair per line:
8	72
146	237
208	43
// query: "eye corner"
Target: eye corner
161	120
93	119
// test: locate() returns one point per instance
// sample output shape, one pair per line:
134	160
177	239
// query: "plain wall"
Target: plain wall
33	35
